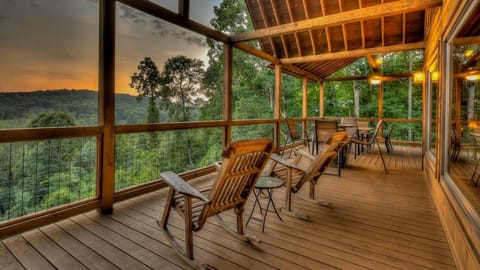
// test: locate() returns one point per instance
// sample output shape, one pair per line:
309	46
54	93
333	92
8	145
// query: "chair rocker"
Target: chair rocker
242	164
296	176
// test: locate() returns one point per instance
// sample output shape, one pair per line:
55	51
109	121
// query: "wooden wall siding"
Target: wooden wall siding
465	255
377	222
458	213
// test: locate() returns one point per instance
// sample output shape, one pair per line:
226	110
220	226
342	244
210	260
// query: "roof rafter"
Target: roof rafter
371	12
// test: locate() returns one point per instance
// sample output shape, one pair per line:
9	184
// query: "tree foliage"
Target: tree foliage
147	84
181	89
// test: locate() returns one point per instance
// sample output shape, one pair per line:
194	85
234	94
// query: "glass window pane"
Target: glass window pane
292	96
171	5
313	109
182	84
253	87
49	64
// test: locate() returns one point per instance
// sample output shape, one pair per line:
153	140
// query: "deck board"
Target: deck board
376	221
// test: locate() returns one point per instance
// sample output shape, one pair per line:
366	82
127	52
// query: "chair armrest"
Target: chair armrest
360	141
218	165
304	154
277	158
177	183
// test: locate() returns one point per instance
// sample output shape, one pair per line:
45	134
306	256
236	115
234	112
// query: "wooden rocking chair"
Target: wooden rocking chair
296	176
242	164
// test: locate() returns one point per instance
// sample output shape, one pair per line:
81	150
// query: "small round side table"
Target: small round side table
264	189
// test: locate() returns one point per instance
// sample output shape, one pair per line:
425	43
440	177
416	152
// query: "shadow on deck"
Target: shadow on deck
376	221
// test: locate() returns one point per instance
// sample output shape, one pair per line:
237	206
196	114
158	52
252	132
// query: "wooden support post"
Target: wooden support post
380	107
184	8
277	104
380	101
304	103
106	107
322	101
227	94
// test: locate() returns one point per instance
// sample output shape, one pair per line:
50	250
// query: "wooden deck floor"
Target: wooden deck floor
377	222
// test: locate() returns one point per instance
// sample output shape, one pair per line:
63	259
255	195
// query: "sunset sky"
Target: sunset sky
53	44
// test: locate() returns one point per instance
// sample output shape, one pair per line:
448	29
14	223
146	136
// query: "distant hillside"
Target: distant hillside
18	108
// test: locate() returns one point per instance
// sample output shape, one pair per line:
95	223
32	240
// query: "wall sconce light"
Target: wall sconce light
375	79
472	74
435	76
418	77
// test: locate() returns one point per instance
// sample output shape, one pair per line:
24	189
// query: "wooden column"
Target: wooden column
227	94
106	107
304	102
277	104
380	101
321	99
184	8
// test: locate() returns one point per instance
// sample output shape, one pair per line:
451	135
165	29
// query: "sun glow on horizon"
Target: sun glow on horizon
50	47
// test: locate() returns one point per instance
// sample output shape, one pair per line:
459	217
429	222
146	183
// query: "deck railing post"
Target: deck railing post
227	94
277	104
106	107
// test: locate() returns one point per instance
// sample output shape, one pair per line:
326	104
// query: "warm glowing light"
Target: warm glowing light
473	74
418	77
435	76
473	77
379	60
468	53
375	80
472	125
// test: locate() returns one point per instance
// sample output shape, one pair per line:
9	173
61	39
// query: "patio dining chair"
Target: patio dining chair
369	142
388	138
296	173
242	164
324	129
294	135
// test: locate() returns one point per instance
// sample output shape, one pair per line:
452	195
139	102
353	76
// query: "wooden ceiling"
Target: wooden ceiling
321	37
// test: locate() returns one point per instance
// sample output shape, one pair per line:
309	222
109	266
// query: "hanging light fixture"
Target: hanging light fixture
375	79
418	77
473	74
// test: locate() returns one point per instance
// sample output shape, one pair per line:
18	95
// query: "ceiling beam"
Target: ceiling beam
260	54
354	53
466	40
373	63
371	12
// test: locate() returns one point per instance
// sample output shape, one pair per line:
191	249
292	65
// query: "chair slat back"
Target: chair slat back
322	161
324	129
377	130
242	164
292	129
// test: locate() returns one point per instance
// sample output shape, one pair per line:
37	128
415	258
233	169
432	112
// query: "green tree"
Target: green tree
147	84
52	119
181	89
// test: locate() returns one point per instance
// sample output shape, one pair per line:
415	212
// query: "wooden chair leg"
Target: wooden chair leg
188	228
287	210
381	155
168	208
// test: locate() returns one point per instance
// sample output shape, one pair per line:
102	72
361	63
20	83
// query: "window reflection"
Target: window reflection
465	115
433	82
